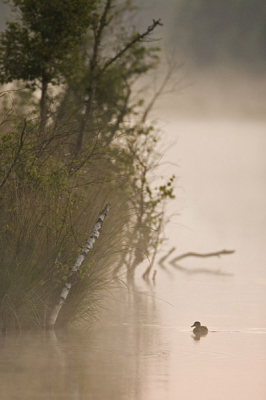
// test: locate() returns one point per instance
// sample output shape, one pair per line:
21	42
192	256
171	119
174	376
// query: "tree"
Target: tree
43	43
49	194
107	69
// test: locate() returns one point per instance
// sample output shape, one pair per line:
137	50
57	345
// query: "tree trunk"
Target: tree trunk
92	81
86	118
68	284
43	106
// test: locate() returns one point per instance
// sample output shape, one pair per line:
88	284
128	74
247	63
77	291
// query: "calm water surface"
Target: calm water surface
143	347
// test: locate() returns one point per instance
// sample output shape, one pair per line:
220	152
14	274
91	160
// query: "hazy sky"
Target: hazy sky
232	84
210	32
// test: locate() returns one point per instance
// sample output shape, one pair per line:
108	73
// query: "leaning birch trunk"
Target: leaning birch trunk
68	284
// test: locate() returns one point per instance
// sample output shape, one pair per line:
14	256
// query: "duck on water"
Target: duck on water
199	329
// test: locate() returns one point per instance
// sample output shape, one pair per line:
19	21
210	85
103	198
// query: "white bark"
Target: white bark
68	284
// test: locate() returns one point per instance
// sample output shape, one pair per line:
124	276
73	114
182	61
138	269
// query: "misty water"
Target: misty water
142	347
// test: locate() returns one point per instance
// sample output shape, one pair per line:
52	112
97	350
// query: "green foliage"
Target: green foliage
44	214
44	41
50	195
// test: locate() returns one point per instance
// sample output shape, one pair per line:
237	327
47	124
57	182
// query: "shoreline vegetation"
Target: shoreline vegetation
75	136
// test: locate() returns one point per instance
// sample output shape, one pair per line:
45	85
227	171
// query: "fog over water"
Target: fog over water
217	128
142	348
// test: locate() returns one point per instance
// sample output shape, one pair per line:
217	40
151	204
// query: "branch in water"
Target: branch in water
162	259
191	254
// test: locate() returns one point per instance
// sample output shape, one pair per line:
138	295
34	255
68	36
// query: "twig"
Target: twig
148	270
156	95
21	142
154	275
92	80
191	254
162	259
138	38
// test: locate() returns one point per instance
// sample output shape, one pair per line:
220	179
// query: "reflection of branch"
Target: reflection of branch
191	254
195	270
191	271
162	259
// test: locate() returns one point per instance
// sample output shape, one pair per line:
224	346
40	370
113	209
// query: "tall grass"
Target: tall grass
47	212
49	201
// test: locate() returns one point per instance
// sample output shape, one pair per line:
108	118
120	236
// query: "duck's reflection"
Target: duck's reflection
198	336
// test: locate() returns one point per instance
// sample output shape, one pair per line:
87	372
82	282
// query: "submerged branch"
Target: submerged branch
162	259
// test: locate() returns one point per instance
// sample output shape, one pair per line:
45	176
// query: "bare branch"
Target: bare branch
137	38
157	239
120	118
162	259
92	80
157	94
191	254
21	143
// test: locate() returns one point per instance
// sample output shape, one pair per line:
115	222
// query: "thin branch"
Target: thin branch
92	80
159	229
157	95
120	118
191	254
162	259
21	143
138	38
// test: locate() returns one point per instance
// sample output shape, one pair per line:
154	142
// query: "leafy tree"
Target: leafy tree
50	193
127	57
43	42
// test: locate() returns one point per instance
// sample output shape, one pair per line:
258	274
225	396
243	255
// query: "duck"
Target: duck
199	329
